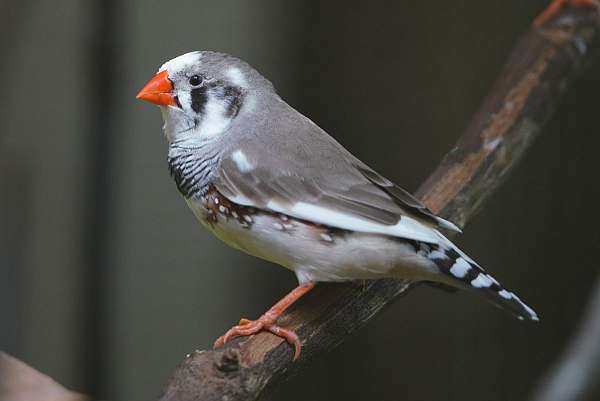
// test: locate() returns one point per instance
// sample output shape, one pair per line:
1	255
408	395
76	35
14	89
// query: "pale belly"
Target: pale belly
314	253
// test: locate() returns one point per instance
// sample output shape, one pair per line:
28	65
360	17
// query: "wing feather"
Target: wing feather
299	170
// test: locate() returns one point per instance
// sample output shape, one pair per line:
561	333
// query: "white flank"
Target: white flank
237	77
241	161
460	268
505	294
481	280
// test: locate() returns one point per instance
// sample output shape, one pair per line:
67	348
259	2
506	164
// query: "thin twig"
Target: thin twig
542	65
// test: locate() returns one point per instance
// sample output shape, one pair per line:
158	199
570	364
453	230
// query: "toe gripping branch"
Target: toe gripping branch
267	322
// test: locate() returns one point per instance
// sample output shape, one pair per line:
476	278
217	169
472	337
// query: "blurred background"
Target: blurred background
106	279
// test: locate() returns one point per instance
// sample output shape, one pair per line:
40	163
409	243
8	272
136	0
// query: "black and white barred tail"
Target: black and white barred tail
463	271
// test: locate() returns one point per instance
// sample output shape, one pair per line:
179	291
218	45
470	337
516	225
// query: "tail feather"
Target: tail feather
463	271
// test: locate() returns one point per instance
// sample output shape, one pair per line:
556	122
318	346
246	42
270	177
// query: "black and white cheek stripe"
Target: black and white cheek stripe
199	99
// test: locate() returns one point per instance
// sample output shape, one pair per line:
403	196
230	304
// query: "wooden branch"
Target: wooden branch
543	64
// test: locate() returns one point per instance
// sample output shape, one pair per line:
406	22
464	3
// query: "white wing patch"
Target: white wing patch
241	161
406	228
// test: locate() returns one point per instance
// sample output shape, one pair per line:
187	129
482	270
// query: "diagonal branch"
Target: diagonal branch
543	64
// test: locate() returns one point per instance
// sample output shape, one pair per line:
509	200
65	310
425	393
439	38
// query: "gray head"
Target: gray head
201	93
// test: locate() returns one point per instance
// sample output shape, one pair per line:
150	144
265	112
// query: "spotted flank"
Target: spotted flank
461	268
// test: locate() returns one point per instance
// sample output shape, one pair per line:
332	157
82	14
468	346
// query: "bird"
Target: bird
268	181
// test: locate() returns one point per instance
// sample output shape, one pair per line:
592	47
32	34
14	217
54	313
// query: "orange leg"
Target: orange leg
267	321
557	5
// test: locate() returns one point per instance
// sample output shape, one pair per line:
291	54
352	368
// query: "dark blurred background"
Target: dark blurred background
106	279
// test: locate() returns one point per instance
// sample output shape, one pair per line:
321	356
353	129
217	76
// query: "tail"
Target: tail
463	271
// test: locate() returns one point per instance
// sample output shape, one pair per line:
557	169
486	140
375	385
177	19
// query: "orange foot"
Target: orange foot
264	323
557	5
267	321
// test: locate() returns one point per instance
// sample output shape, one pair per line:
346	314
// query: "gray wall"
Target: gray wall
106	280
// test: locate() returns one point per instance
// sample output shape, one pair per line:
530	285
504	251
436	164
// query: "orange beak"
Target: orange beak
158	91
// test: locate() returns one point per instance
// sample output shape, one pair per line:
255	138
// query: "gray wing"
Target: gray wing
308	175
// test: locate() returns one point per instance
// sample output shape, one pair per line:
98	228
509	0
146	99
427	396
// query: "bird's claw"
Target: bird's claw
248	327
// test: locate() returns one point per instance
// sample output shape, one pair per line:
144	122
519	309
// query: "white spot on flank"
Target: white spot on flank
505	294
278	226
248	218
236	76
481	280
222	209
241	161
234	214
460	268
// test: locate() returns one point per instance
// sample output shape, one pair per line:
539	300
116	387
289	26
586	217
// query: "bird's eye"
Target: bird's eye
195	80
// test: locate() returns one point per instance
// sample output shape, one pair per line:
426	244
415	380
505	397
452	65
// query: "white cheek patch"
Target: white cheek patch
184	97
236	76
180	63
214	121
241	161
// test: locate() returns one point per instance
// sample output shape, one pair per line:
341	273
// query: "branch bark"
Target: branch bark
542	65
